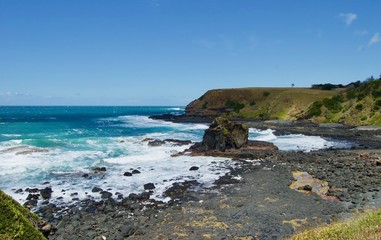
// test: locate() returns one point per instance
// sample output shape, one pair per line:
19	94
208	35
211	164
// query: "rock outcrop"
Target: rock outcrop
227	139
223	134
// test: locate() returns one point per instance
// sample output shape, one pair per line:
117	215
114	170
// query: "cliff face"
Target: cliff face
258	103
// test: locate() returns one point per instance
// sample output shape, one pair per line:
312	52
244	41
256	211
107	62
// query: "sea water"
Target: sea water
56	146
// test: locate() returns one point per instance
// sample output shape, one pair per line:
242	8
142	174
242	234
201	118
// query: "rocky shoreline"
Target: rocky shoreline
253	201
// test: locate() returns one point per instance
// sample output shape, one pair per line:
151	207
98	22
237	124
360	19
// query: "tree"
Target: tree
292	85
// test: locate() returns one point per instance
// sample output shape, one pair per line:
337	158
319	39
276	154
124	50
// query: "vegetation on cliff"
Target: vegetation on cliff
258	103
357	103
356	106
17	222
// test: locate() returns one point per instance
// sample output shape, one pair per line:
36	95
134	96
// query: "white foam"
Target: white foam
11	135
295	142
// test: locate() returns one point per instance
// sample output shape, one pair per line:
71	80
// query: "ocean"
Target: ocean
57	146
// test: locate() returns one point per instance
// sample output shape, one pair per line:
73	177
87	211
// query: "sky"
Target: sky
170	52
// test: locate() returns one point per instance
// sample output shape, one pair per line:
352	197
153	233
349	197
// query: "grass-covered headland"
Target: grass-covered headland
357	103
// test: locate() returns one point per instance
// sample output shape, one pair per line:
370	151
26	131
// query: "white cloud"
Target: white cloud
348	18
361	33
375	39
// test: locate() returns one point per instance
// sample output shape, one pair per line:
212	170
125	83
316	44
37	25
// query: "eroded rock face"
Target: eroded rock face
223	134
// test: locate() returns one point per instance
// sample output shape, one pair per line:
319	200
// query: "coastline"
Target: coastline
254	201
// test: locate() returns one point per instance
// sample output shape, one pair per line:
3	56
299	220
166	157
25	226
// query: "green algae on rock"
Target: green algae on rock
223	134
17	222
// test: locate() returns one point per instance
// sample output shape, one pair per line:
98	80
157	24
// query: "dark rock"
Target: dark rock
135	171
307	188
85	175
30	203
223	134
19	190
96	189
127	174
378	162
46	193
193	168
149	186
179	189
105	194
32	196
177	142
156	143
127	229
99	169
32	190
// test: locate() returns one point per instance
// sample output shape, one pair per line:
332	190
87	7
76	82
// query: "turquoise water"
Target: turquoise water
60	144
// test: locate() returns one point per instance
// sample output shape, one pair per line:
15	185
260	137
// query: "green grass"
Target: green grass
365	226
277	103
17	222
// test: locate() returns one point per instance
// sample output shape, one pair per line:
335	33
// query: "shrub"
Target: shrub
351	94
376	93
377	104
334	104
359	107
252	103
266	93
236	106
205	105
315	109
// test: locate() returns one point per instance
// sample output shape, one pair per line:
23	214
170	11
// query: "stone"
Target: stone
193	168
30	203
105	194
99	169
32	196
156	143
223	134
135	171
96	189
127	174
149	186
46	193
378	162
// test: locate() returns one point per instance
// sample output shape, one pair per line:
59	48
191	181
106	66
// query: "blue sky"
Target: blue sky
167	52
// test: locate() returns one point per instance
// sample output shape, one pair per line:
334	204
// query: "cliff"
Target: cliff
257	103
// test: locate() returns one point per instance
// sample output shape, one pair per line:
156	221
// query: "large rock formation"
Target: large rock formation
223	134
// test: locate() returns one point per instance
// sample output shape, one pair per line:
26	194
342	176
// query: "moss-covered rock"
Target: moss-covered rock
17	222
223	134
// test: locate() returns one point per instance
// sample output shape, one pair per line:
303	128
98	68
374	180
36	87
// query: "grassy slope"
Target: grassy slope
280	103
17	222
359	106
364	226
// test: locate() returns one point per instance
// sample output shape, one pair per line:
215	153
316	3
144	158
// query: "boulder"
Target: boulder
149	186
223	134
46	193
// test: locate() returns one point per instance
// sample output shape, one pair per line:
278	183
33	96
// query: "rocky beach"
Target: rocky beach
255	200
